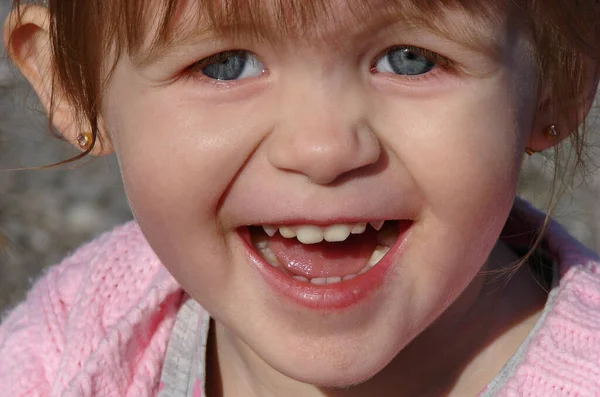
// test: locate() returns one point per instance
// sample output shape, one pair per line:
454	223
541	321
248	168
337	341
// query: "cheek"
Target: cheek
462	152
178	159
464	156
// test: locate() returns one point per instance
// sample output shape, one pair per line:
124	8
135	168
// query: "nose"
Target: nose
322	137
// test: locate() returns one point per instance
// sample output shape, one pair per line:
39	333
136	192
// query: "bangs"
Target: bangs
167	22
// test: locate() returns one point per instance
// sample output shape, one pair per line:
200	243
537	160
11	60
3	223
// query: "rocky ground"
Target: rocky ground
47	213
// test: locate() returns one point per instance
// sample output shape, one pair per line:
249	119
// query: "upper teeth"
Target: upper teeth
311	234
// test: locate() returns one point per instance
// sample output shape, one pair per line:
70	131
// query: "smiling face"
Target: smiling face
360	123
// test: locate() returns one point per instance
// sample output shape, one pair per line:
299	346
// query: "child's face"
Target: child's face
332	131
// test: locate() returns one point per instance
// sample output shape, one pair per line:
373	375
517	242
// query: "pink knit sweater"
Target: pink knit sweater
98	324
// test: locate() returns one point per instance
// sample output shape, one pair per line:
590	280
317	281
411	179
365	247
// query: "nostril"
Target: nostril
324	154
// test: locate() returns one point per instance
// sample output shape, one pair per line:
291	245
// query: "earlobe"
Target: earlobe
551	136
549	130
26	36
551	126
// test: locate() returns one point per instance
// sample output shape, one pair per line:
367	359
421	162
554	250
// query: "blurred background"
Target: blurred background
46	214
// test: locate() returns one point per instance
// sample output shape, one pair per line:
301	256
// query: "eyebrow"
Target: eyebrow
472	32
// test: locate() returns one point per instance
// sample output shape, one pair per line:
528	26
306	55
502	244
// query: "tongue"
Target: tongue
325	259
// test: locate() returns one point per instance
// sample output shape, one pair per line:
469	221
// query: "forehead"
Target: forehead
171	22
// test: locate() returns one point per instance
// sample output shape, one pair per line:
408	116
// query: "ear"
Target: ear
26	38
567	118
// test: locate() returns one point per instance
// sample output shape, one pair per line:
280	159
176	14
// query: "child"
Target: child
324	194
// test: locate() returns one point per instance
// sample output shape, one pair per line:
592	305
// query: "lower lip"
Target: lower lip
330	296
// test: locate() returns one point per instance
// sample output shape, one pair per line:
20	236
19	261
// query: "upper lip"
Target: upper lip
322	221
287	212
291	222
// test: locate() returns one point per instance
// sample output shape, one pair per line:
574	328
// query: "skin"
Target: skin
320	137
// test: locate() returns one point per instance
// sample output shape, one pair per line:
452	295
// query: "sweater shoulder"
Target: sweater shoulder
111	285
117	257
563	359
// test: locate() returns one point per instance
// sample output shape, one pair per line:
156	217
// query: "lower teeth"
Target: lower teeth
261	244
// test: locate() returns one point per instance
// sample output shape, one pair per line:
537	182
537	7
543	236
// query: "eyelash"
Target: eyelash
442	64
219	56
194	71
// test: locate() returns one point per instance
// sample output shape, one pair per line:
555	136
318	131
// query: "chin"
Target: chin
332	368
332	377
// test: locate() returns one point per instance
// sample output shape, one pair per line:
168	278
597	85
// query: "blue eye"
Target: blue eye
230	65
406	61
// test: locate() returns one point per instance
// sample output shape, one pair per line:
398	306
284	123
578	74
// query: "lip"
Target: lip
337	296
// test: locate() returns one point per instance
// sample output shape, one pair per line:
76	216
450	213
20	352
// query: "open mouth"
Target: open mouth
325	255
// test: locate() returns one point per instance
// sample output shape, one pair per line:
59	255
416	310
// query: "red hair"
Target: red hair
84	33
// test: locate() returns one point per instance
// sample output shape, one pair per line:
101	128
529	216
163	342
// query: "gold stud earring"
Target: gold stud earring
84	140
551	133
